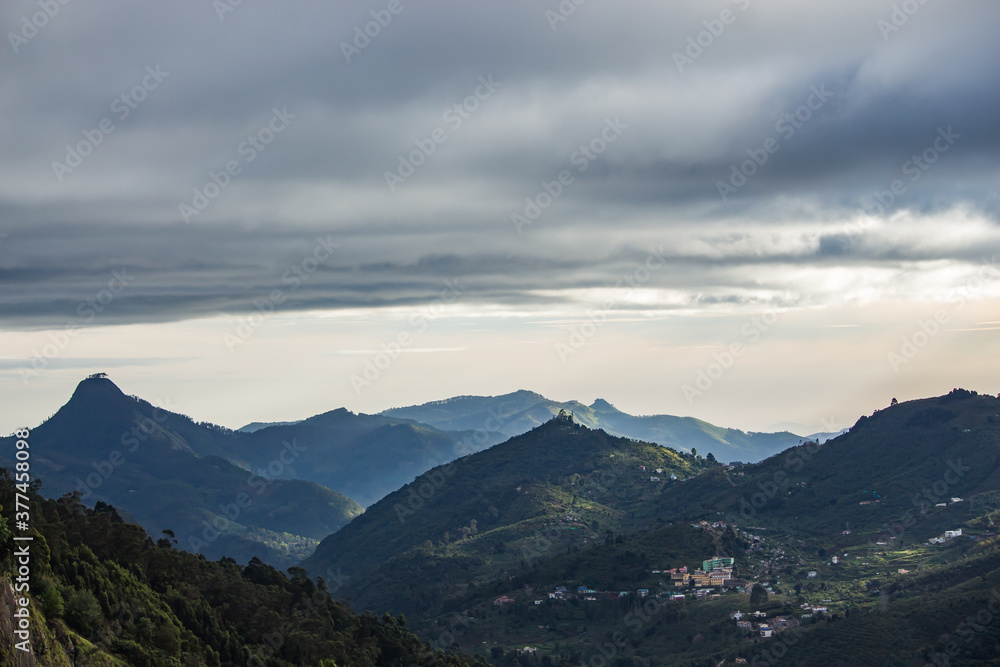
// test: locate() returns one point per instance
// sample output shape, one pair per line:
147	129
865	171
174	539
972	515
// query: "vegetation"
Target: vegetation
103	593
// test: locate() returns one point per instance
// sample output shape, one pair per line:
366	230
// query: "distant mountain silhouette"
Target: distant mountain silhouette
521	411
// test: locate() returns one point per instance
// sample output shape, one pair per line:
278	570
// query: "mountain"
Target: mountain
362	456
477	516
155	465
256	426
101	592
873	497
519	412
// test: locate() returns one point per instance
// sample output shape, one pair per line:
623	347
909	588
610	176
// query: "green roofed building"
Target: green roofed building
713	563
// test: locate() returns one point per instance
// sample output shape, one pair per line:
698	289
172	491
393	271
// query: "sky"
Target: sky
765	214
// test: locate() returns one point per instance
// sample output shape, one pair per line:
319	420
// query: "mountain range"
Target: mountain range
518	412
471	538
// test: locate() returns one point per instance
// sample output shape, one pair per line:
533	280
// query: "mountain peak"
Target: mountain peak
603	406
96	386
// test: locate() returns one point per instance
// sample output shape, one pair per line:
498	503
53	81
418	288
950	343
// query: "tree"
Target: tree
894	402
758	596
694	451
710	457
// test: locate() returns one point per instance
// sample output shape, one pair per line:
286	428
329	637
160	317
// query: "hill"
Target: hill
888	473
101	592
121	450
478	516
521	411
872	497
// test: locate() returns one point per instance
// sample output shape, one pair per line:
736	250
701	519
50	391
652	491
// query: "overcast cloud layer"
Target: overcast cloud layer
802	157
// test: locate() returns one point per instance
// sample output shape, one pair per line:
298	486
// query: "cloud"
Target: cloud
848	108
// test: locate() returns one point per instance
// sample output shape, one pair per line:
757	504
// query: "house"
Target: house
744	625
590	598
643	592
903	571
949	534
760	614
941	505
502	600
659	471
819	610
766	631
738	615
936	540
560	589
642	468
835	560
954	500
812	574
581	589
807	615
654	478
539	601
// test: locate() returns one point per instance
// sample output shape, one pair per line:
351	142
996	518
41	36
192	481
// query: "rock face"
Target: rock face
48	646
11	655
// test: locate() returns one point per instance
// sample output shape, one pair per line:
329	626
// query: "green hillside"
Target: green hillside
100	592
892	597
480	515
888	473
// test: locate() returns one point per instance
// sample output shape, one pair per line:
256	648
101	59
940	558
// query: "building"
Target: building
502	600
766	631
949	534
714	563
812	574
643	592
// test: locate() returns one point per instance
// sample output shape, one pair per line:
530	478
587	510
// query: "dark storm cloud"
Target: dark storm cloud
868	102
